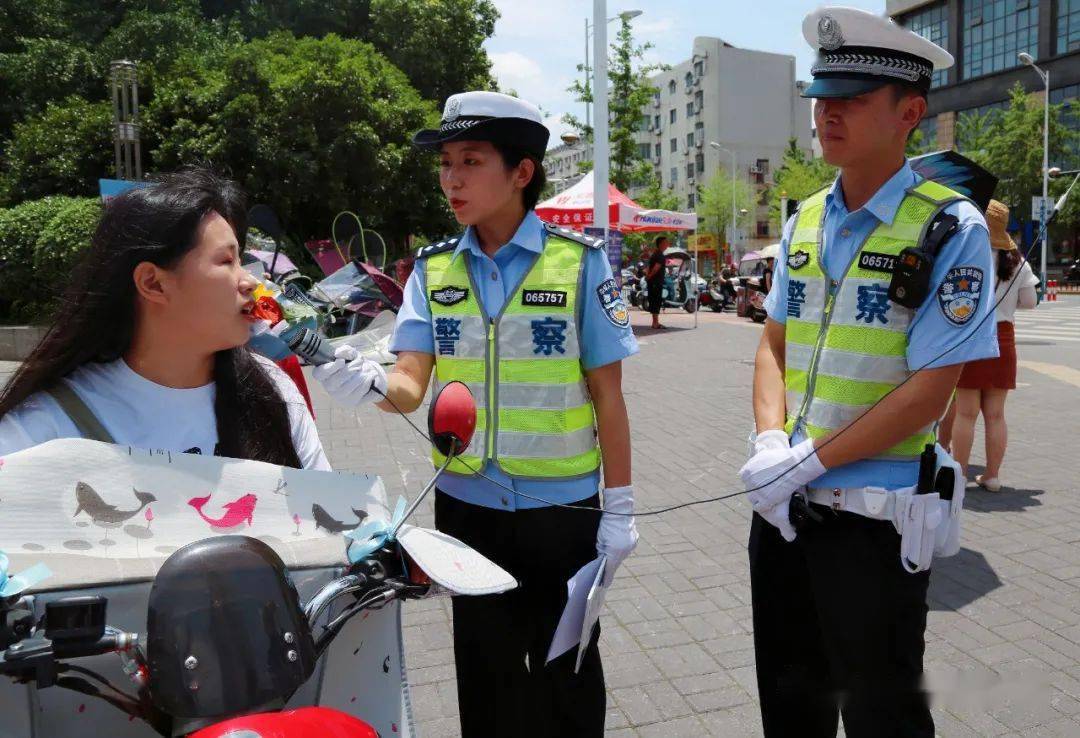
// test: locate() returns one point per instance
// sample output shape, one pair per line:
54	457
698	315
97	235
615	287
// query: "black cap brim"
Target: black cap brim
526	134
843	86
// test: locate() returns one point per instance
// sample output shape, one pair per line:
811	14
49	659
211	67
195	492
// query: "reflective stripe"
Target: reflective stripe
825	414
545	446
543	396
529	337
861	301
849	365
468	340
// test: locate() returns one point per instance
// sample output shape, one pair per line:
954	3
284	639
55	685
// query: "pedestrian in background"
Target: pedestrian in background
654	278
984	384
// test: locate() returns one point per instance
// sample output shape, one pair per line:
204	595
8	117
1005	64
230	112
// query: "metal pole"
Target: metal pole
600	131
1046	173
734	213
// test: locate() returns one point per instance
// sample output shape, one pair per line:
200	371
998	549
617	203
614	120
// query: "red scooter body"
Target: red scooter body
306	722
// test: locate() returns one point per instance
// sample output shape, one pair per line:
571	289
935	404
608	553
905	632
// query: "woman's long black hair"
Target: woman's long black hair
1007	262
96	321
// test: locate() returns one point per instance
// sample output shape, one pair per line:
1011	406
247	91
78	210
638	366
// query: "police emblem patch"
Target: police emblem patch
798	260
959	294
611	301
453	110
829	35
448	296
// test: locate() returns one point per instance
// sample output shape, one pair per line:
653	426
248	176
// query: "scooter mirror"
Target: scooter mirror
452	419
266	220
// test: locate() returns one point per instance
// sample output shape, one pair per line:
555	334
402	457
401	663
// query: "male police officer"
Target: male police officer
531	319
838	619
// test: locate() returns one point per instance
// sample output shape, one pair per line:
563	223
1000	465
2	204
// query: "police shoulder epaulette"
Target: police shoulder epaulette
438	247
571	235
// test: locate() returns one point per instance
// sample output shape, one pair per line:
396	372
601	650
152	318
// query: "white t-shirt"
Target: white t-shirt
140	413
1018	290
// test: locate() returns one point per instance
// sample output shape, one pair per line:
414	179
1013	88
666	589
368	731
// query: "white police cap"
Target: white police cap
859	51
488	116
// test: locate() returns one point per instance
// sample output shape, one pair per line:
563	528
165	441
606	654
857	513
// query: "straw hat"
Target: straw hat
997	220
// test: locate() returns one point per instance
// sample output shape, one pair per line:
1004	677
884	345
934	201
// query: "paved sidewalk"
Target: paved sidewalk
1003	650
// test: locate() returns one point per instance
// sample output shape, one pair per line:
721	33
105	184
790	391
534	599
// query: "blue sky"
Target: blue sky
538	43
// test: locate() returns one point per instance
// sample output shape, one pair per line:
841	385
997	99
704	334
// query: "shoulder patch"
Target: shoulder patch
611	302
438	247
571	235
959	294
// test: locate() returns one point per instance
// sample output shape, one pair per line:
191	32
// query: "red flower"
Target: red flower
266	308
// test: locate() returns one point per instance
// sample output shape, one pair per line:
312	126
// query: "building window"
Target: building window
672	115
995	31
1069	97
1068	26
656	122
932	23
674	176
690	170
644	150
928	126
763	229
689	141
689	109
699	133
690	201
674	145
699	68
689	79
699	99
761	171
699	162
671	87
643	124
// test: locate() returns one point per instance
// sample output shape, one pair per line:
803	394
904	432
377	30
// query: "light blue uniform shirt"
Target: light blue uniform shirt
603	342
931	332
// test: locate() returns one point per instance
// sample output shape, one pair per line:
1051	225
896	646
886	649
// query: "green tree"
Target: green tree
629	92
310	126
65	148
654	197
1010	145
797	177
714	204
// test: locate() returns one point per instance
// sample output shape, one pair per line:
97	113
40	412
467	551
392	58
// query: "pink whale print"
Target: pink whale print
236	512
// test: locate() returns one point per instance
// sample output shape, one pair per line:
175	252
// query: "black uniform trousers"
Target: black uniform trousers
839	629
500	694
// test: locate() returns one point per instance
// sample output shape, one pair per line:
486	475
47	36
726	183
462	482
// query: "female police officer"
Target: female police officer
530	318
855	371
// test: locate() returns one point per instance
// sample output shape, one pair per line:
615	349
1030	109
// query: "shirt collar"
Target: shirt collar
886	201
529	236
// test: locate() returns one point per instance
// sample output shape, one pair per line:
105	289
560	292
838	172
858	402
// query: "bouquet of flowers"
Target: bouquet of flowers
280	316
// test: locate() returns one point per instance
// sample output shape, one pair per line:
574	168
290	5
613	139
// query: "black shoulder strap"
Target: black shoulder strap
570	235
79	412
938	232
437	248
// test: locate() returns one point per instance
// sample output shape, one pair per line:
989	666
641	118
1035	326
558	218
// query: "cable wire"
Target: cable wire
826	442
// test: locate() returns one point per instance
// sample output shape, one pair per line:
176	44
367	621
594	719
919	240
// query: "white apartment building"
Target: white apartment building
561	164
747	102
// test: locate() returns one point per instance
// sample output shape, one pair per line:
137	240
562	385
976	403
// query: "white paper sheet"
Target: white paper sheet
594	602
571	624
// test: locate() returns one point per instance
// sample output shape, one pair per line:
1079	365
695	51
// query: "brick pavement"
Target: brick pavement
1003	651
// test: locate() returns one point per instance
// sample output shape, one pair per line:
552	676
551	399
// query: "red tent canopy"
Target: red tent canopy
574	207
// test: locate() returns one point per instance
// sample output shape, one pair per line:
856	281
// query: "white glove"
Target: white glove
778	516
775	474
617	535
771	439
351	379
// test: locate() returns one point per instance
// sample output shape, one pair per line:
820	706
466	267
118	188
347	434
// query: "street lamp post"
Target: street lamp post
1044	75
601	162
734	166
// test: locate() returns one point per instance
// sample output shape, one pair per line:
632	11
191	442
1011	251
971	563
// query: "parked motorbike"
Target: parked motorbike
228	640
715	297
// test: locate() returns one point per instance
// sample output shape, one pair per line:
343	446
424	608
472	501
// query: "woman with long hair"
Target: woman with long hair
984	385
148	346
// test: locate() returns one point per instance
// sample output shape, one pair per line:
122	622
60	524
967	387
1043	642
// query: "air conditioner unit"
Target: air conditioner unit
659	132
651	126
700	143
756	170
656	102
656	160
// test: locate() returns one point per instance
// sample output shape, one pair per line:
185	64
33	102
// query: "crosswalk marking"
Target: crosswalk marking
1050	321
